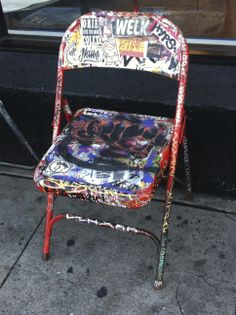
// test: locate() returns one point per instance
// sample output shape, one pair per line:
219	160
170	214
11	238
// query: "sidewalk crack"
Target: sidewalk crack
22	251
229	217
177	298
204	279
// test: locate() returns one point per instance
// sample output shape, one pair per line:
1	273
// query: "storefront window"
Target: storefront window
199	18
202	21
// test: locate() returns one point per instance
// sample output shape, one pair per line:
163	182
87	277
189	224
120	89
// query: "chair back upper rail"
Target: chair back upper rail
123	40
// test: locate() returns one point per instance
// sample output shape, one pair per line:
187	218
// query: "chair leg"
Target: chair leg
188	182
158	284
48	226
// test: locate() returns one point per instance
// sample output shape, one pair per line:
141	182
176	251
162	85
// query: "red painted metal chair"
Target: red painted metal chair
110	157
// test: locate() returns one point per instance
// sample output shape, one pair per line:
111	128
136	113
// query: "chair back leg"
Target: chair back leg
158	284
188	182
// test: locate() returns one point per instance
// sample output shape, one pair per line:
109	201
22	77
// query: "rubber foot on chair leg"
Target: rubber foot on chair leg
45	257
158	285
188	196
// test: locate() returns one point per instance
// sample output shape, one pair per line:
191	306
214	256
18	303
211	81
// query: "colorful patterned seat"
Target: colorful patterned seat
108	157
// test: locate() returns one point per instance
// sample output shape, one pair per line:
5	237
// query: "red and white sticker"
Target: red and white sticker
164	36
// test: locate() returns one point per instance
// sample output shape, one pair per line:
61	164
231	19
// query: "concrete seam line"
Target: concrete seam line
22	251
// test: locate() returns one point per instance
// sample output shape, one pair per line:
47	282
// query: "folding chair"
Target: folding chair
111	157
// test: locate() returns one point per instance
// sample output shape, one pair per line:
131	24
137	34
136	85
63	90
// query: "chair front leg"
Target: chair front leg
158	284
188	182
48	227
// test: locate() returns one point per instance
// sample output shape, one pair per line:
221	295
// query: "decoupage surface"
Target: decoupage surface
123	40
107	157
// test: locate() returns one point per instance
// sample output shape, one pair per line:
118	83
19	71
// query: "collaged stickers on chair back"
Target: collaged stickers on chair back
123	40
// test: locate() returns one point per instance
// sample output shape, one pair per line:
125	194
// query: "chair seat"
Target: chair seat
108	157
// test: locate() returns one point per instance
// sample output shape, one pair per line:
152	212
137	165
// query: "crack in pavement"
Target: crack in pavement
229	217
22	251
204	279
177	298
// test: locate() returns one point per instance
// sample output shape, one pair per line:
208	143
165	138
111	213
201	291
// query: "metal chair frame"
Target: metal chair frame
178	138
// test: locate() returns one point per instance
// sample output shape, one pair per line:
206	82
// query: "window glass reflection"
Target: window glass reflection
196	18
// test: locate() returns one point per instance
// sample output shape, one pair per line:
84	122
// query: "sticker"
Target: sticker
110	52
135	47
154	50
90	54
75	38
90	30
106	29
95	177
125	27
59	167
164	36
70	53
142	64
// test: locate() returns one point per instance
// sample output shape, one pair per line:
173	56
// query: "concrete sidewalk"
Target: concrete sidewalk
97	271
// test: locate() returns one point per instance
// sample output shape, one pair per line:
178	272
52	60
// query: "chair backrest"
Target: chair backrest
124	40
127	40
